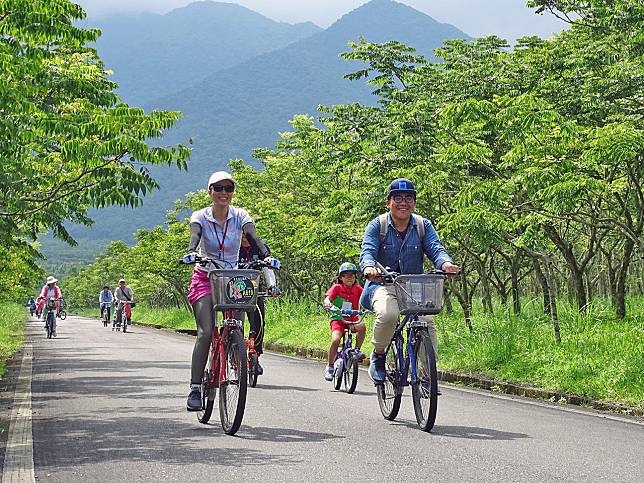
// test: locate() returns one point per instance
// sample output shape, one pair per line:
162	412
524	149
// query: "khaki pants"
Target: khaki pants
385	305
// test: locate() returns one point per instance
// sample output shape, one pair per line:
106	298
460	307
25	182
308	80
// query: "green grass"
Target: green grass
599	357
12	331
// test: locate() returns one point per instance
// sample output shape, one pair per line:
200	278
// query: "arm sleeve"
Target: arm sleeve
433	247
255	241
370	244
269	275
332	293
195	236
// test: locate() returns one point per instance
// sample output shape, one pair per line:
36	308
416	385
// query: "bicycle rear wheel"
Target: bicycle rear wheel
253	360
390	392
208	392
232	391
351	375
424	391
124	321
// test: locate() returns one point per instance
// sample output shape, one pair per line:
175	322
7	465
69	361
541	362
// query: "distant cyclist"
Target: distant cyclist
399	240
248	253
50	291
122	294
105	299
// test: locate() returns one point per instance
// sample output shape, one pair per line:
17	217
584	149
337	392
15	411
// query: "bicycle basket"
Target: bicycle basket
234	289
420	294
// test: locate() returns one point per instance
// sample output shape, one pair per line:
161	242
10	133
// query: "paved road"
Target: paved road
111	407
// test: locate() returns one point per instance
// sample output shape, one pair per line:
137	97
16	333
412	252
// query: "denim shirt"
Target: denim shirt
401	255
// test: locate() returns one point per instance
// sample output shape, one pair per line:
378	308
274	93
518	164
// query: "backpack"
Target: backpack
419	223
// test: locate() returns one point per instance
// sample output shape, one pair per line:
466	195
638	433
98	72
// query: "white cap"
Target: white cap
218	176
51	279
122	280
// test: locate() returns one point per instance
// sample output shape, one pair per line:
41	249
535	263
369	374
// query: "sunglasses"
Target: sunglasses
229	188
405	198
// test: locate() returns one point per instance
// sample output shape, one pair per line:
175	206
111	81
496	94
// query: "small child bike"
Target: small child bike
345	368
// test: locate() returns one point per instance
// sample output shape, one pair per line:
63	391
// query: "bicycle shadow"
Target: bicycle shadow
283	435
469	432
273	387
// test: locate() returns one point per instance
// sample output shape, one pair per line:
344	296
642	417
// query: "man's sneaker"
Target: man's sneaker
360	355
194	400
328	373
377	371
53	334
259	369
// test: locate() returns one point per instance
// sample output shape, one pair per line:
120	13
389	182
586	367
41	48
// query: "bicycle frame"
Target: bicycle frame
406	354
219	334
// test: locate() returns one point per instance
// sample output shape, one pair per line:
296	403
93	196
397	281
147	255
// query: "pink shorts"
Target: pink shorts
199	286
340	325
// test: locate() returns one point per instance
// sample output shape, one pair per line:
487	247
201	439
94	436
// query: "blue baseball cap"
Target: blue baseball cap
401	185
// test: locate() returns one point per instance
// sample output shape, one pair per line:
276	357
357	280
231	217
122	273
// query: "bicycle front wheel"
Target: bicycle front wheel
351	375
50	324
253	360
232	391
390	392
425	390
208	392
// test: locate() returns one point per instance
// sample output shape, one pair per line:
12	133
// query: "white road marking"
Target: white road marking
19	455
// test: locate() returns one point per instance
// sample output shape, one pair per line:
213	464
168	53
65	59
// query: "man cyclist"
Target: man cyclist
247	254
122	294
398	240
105	299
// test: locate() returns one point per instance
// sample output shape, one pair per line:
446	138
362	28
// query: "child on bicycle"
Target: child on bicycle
345	293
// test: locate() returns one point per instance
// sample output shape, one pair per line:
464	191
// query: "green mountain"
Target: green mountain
234	110
154	55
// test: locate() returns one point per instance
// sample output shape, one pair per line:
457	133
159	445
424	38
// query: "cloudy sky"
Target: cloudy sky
507	18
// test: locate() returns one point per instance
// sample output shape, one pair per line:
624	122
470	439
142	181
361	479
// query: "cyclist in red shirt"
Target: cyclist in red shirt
345	293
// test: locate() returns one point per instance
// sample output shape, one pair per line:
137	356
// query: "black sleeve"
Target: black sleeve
195	237
255	241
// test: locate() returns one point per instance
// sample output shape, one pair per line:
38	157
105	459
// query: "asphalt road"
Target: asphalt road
110	406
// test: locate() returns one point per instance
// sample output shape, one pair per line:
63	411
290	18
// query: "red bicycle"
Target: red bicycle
233	292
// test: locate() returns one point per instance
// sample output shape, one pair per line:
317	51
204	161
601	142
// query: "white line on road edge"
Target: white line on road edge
19	455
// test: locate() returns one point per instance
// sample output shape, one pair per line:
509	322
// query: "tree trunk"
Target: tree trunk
544	286
620	305
514	274
554	316
465	299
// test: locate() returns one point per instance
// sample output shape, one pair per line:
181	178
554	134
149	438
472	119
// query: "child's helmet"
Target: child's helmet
347	267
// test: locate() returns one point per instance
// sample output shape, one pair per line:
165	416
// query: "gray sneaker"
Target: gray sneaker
194	400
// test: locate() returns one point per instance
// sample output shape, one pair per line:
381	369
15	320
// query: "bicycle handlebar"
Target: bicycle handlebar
345	312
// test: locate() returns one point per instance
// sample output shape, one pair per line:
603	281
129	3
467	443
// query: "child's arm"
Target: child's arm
327	302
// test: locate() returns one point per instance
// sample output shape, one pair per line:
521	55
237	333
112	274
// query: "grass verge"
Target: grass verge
12	331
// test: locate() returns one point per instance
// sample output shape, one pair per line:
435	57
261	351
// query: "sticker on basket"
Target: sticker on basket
240	290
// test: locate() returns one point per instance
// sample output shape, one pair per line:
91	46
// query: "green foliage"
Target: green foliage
67	142
12	329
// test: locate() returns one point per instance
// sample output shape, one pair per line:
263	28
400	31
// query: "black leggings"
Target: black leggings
257	325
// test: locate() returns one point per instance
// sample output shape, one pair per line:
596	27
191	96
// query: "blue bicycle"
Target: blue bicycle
346	360
410	359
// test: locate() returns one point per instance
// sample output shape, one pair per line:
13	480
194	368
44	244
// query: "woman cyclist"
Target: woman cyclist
50	291
215	232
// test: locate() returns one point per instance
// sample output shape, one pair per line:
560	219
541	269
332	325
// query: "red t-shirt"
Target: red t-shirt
339	294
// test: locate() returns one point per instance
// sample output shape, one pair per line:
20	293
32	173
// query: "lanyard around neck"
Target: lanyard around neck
223	238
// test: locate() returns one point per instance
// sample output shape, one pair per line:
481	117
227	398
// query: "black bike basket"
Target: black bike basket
420	294
234	289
